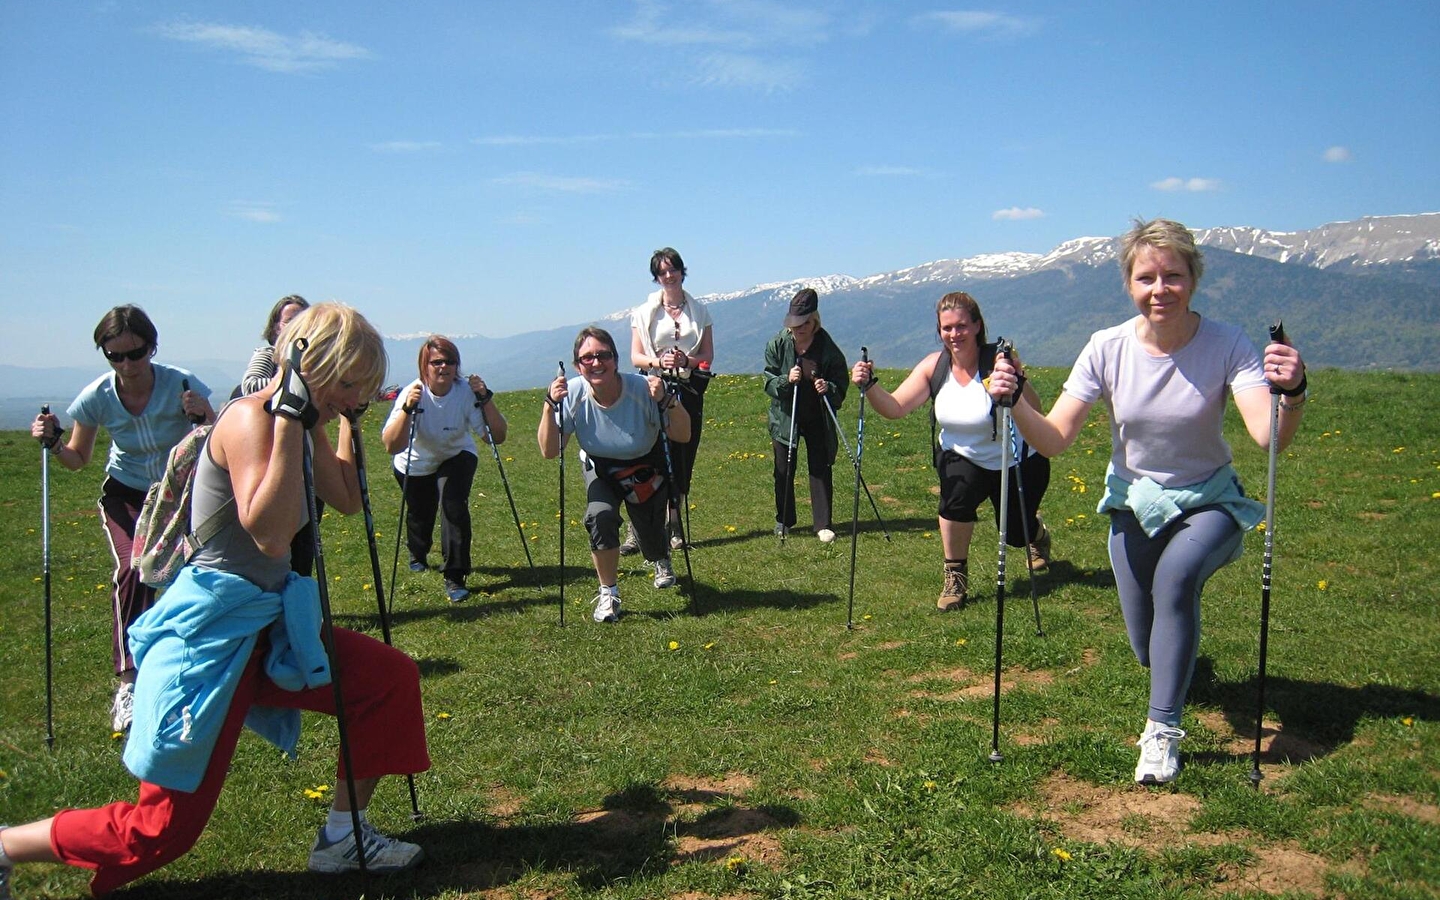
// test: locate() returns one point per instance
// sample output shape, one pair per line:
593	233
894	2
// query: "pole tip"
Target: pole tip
996	756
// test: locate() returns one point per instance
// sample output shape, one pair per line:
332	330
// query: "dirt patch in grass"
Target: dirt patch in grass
1276	746
504	802
1281	869
978	685
1405	806
688	792
891	645
1154	820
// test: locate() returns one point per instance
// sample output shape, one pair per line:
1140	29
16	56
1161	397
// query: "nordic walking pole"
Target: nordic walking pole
495	452
560	436
1025	528
835	420
1004	423
327	621
404	492
1277	336
357	443
855	512
674	497
45	544
789	497
194	418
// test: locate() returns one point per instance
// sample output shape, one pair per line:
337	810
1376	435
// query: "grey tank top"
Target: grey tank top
232	549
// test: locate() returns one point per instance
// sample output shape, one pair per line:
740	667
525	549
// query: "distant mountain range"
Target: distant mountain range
1358	295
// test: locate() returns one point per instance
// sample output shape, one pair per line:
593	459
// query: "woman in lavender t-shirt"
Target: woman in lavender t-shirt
1164	376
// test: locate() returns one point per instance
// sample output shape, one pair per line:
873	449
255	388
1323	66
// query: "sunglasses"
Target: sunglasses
591	359
121	355
441	363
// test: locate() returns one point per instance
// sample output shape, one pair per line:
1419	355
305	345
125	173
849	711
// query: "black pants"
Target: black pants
818	460
448	490
682	456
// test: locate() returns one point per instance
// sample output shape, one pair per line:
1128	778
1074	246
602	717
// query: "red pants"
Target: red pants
119	508
384	723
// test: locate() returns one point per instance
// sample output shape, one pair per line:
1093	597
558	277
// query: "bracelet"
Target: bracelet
1291	407
1298	389
550	403
408	410
485	398
54	445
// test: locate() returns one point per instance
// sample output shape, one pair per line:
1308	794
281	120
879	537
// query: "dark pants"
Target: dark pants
964	485
682	456
602	517
119	508
818	461
448	490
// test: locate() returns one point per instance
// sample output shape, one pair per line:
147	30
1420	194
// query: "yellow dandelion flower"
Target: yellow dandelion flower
365	587
116	735
1408	721
442	715
1080	515
774	681
534	537
1398	450
509	459
1061	855
1322	584
730	528
930	785
693	506
735	863
960	642
709	645
1435	495
1260	526
928	534
865	618
674	645
37	578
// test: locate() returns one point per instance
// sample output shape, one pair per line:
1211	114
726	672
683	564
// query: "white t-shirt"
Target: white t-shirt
658	332
966	428
442	431
1166	412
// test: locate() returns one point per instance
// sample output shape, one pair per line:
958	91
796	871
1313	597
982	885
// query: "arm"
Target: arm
494	420
908	397
1051	434
1254	405
74	454
639	358
673	416
396	433
336	480
551	441
262	368
262	453
777	379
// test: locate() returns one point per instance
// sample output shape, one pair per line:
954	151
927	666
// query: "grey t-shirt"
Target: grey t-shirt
232	549
627	429
1166	412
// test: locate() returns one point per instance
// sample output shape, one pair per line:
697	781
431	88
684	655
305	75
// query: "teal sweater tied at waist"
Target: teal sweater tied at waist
191	649
1156	507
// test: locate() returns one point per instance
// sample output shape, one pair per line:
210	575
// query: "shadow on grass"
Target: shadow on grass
639	831
1317	717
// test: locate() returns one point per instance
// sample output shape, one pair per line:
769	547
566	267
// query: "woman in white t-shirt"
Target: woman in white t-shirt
437	470
1177	510
968	456
671	334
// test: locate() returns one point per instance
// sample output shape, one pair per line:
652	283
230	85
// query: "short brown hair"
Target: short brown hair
440	346
599	334
272	323
126	319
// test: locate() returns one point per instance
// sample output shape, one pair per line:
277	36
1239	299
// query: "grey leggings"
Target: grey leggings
1159	580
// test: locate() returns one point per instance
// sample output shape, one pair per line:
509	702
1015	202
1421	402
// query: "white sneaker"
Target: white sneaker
664	574
1159	753
826	536
122	711
607	604
382	854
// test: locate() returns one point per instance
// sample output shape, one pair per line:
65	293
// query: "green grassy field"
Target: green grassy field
745	743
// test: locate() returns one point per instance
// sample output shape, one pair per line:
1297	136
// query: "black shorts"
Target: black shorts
964	486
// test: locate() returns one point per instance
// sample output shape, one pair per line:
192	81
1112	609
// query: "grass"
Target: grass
745	743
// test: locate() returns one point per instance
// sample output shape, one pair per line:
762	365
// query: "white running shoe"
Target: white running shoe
122	711
826	536
664	574
607	604
1159	753
382	854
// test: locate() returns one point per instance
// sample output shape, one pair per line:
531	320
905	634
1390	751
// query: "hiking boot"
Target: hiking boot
456	591
122	710
418	565
1039	549
631	545
382	854
826	536
664	574
607	604
955	591
1159	753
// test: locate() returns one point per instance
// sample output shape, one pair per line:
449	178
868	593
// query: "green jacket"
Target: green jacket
780	358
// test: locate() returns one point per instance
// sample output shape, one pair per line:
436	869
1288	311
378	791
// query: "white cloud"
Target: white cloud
1193	185
889	171
266	49
722	23
406	146
564	184
747	71
525	140
1338	155
980	22
260	211
1017	214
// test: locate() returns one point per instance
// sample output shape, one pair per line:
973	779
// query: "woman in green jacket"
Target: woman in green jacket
804	369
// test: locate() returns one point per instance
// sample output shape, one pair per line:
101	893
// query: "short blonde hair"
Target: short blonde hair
1162	234
342	345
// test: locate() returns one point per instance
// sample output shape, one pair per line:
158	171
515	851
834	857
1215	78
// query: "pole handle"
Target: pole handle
194	419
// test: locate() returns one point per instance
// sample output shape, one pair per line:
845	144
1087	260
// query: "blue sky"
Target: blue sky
496	167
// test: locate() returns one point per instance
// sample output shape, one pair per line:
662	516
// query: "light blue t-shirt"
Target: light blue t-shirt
139	445
626	430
